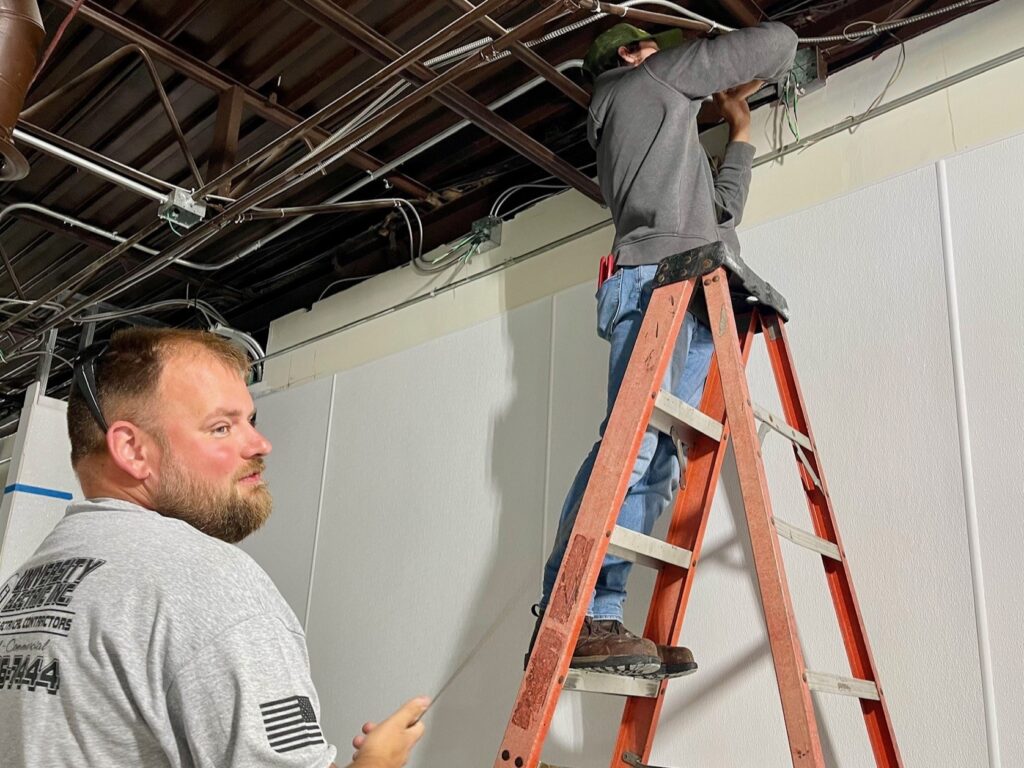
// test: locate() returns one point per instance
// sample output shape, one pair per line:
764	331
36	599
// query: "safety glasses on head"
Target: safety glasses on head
84	378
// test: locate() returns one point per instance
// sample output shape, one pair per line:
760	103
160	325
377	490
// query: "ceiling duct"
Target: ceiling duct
21	33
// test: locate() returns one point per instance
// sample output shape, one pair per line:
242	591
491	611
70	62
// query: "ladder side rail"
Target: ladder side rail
787	654
673	585
588	542
840	581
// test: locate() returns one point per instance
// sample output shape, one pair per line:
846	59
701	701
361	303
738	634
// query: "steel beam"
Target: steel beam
217	81
535	62
394	66
208	228
225	136
367	39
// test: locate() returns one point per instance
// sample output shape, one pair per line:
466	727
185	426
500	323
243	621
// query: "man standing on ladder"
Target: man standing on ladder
664	200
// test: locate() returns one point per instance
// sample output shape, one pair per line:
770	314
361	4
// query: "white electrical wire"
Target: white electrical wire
455	252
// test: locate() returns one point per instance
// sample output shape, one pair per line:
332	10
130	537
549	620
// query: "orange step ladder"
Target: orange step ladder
726	412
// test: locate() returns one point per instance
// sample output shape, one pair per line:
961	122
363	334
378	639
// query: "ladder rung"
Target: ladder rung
616	685
844	686
767	417
807	540
670	411
646	550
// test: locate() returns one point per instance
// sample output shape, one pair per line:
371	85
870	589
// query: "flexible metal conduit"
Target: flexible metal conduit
21	32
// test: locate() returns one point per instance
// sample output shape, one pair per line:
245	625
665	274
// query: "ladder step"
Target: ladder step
844	686
646	550
779	425
672	414
807	540
615	685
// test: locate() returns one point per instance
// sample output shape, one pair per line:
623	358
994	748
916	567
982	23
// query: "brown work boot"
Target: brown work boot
607	646
676	661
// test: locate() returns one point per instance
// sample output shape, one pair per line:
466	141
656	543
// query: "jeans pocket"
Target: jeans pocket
609	300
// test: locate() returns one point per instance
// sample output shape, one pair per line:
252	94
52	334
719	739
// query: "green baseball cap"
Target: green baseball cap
603	53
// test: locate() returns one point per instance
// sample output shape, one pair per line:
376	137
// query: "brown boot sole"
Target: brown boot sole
632	666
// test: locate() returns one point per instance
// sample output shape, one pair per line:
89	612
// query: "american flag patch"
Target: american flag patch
291	724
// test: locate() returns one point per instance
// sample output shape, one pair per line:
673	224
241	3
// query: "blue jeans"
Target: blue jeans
621	303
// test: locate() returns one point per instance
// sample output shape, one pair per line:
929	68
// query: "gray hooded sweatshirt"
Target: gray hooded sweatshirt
653	171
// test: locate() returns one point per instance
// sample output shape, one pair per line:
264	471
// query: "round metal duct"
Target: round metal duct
21	32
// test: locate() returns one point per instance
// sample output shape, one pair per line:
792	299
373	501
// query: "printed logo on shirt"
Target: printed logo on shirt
291	724
29	672
37	602
46	585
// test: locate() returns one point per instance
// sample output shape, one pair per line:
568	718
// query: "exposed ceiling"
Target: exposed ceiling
236	77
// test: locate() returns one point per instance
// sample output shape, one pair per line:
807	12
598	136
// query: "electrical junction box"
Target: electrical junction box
809	70
808	75
180	210
487	233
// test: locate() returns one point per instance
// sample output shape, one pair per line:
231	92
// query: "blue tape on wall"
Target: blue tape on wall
34	489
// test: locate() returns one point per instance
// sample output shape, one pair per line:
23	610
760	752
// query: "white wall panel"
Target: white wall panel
430	534
40	481
296	421
985	191
864	280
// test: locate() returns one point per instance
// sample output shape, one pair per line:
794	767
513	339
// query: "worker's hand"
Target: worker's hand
734	108
387	744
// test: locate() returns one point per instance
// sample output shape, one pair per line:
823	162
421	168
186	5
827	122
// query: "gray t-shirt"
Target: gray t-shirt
132	639
643	123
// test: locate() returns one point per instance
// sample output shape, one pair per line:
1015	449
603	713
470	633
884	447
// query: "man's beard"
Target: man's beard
224	513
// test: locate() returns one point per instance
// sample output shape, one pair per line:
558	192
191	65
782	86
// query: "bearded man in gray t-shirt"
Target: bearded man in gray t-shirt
136	635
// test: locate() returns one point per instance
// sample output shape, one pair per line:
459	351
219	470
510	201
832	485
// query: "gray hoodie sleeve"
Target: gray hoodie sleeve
732	182
703	67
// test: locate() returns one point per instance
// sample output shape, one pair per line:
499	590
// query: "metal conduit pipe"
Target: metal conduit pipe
71	221
397	66
115	166
211	226
384	169
21	32
88	165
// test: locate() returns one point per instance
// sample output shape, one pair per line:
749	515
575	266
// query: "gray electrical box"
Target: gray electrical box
180	210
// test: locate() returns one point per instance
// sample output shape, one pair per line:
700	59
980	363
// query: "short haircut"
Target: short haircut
127	375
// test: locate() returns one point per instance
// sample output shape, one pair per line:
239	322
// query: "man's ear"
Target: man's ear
132	450
624	52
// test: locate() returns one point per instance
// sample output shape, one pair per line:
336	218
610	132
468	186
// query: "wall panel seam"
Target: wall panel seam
320	504
547	431
967	468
